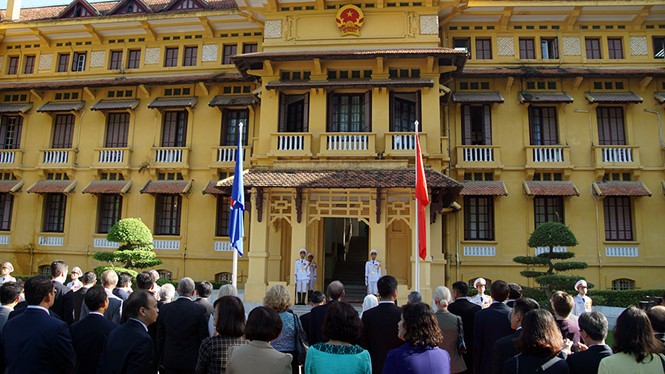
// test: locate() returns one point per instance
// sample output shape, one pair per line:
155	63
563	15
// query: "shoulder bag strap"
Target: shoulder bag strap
549	363
662	361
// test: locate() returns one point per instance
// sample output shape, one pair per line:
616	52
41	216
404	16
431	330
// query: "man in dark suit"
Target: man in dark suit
10	295
35	342
124	286
181	327
89	334
203	292
59	272
466	310
379	333
505	347
657	319
129	348
114	310
316	299
335	292
490	325
74	300
593	326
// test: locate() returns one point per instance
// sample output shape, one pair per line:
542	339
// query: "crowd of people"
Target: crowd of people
112	327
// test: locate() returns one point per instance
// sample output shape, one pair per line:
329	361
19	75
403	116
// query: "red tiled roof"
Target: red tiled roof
115	104
237	100
173	102
167	187
484	188
61	106
536	71
52	186
15	108
107	187
477	97
553	188
613	97
211	189
10	186
632	189
544	97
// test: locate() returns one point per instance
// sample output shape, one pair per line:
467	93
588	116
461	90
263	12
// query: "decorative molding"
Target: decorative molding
46	61
622	251
104	243
479	251
638	46
209	53
506	45
572	46
221	246
97	59
298	203
273	29
171	245
50	241
151	56
429	25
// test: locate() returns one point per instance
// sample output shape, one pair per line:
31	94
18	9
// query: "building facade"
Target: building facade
528	112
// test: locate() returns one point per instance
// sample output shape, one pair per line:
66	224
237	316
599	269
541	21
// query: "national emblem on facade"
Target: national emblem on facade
349	20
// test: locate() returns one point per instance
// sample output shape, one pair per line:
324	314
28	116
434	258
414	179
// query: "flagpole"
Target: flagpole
415	229
234	273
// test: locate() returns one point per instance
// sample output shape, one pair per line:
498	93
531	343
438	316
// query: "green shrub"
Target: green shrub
621	299
135	250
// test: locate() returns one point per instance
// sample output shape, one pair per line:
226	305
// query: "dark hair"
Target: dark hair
230	316
335	290
515	291
386	286
461	287
9	291
499	290
656	317
123	280
58	267
204	289
342	323
422	328
263	324
594	324
317	297
524	305
95	297
36	289
633	335
144	281
540	335
562	303
136	300
89	277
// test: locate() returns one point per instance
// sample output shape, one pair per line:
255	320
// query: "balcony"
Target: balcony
478	157
57	158
225	156
616	156
547	156
348	144
170	157
291	144
404	144
11	158
111	158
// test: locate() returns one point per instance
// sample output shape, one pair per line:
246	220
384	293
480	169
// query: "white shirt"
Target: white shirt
141	322
582	304
483	300
40	308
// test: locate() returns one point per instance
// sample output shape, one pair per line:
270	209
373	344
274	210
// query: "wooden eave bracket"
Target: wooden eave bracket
505	18
509	83
95	35
316	63
204	88
379	191
145	90
90	92
209	30
577	81
645	82
259	204
642	15
268	68
36	93
36	32
572	18
152	35
298	203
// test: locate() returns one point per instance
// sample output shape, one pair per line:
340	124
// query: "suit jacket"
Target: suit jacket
210	309
4	315
504	349
587	362
113	312
569	329
258	357
122	294
379	333
490	325
59	304
89	338
37	343
467	310
316	323
449	325
305	321
73	304
129	350
412	359
181	327
529	364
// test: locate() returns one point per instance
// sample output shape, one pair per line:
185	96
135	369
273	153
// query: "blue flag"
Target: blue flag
236	222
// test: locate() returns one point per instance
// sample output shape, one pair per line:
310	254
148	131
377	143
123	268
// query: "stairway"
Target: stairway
352	271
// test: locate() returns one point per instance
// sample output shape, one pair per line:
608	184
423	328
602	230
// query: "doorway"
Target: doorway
346	245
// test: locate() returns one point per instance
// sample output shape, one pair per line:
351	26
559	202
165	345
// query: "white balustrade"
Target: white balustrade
404	142
50	241
7	157
540	250
56	157
622	251
290	142
619	155
226	155
169	155
171	245
111	156
479	250
348	142
548	154
4	239
220	246
104	243
479	154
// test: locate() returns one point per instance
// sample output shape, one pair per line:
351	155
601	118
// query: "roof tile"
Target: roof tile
10	186
550	188
167	187
53	186
14	108
115	104
107	187
484	188
237	100
613	97
631	189
61	106
544	97
211	189
477	97
173	102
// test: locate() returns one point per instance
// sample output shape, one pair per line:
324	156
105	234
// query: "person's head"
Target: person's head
310	257
593	327
540	335
109	279
633	335
144	281
227	290
155	274
76	273
335	290
370	302
515	291
124	280
387	287
278	298
7	268
373	254
442	297
141	305
480	284
10	293
419	326
656	317
582	287
303	253
263	324
562	303
39	290
89	278
230	316
342	323
186	287
204	289
96	299
414	297
59	269
460	289
167	293
317	298
522	306
499	290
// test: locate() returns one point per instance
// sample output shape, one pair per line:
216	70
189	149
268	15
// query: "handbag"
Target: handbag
301	347
461	345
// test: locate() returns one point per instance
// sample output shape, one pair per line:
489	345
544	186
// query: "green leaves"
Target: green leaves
552	234
531	260
130	230
135	251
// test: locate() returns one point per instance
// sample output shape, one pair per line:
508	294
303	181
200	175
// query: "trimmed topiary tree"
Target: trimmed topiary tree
135	251
551	235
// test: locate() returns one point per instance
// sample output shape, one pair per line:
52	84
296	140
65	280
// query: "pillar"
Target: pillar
255	288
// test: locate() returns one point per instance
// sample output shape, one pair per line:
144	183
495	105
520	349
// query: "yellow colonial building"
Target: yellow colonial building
528	111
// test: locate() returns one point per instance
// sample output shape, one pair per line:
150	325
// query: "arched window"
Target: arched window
165	274
224	276
623	284
44	270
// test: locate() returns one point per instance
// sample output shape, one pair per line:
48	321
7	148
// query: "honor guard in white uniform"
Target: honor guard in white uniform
312	276
302	277
481	299
7	268
372	273
582	301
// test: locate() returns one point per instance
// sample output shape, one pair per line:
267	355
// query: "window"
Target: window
12	65
117	125
462	43
44	270
10	132
163	273
623	284
134	59
222	223
63	131
6	205
294	113
250	47
167	214
228	51
611	129
219	277
29	65
527	49
349	112
191	54
115	63
174	129
230	120
78	62
484	49
593	49
405	111
55	205
543	124
476	125
548	209
618	218
63	62
549	48
659	47
171	57
109	211
478	218
615	48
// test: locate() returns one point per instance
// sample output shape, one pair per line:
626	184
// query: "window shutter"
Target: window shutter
466	125
282	113
368	112
305	113
419	117
331	113
391	110
487	125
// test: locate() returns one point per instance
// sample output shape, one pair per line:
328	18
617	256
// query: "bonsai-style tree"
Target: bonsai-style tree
551	235
135	251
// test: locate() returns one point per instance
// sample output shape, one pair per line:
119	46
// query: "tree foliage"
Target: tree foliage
135	250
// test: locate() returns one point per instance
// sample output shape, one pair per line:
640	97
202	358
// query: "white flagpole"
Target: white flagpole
234	274
415	229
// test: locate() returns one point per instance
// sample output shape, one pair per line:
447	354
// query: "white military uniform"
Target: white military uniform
8	278
312	276
372	275
483	300
302	275
582	304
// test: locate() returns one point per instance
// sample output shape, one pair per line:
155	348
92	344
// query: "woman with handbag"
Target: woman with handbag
451	329
292	340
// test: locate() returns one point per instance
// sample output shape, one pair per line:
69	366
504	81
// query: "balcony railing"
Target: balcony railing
291	144
57	158
620	156
547	156
167	244
10	158
111	158
348	144
175	157
483	156
225	156
404	143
